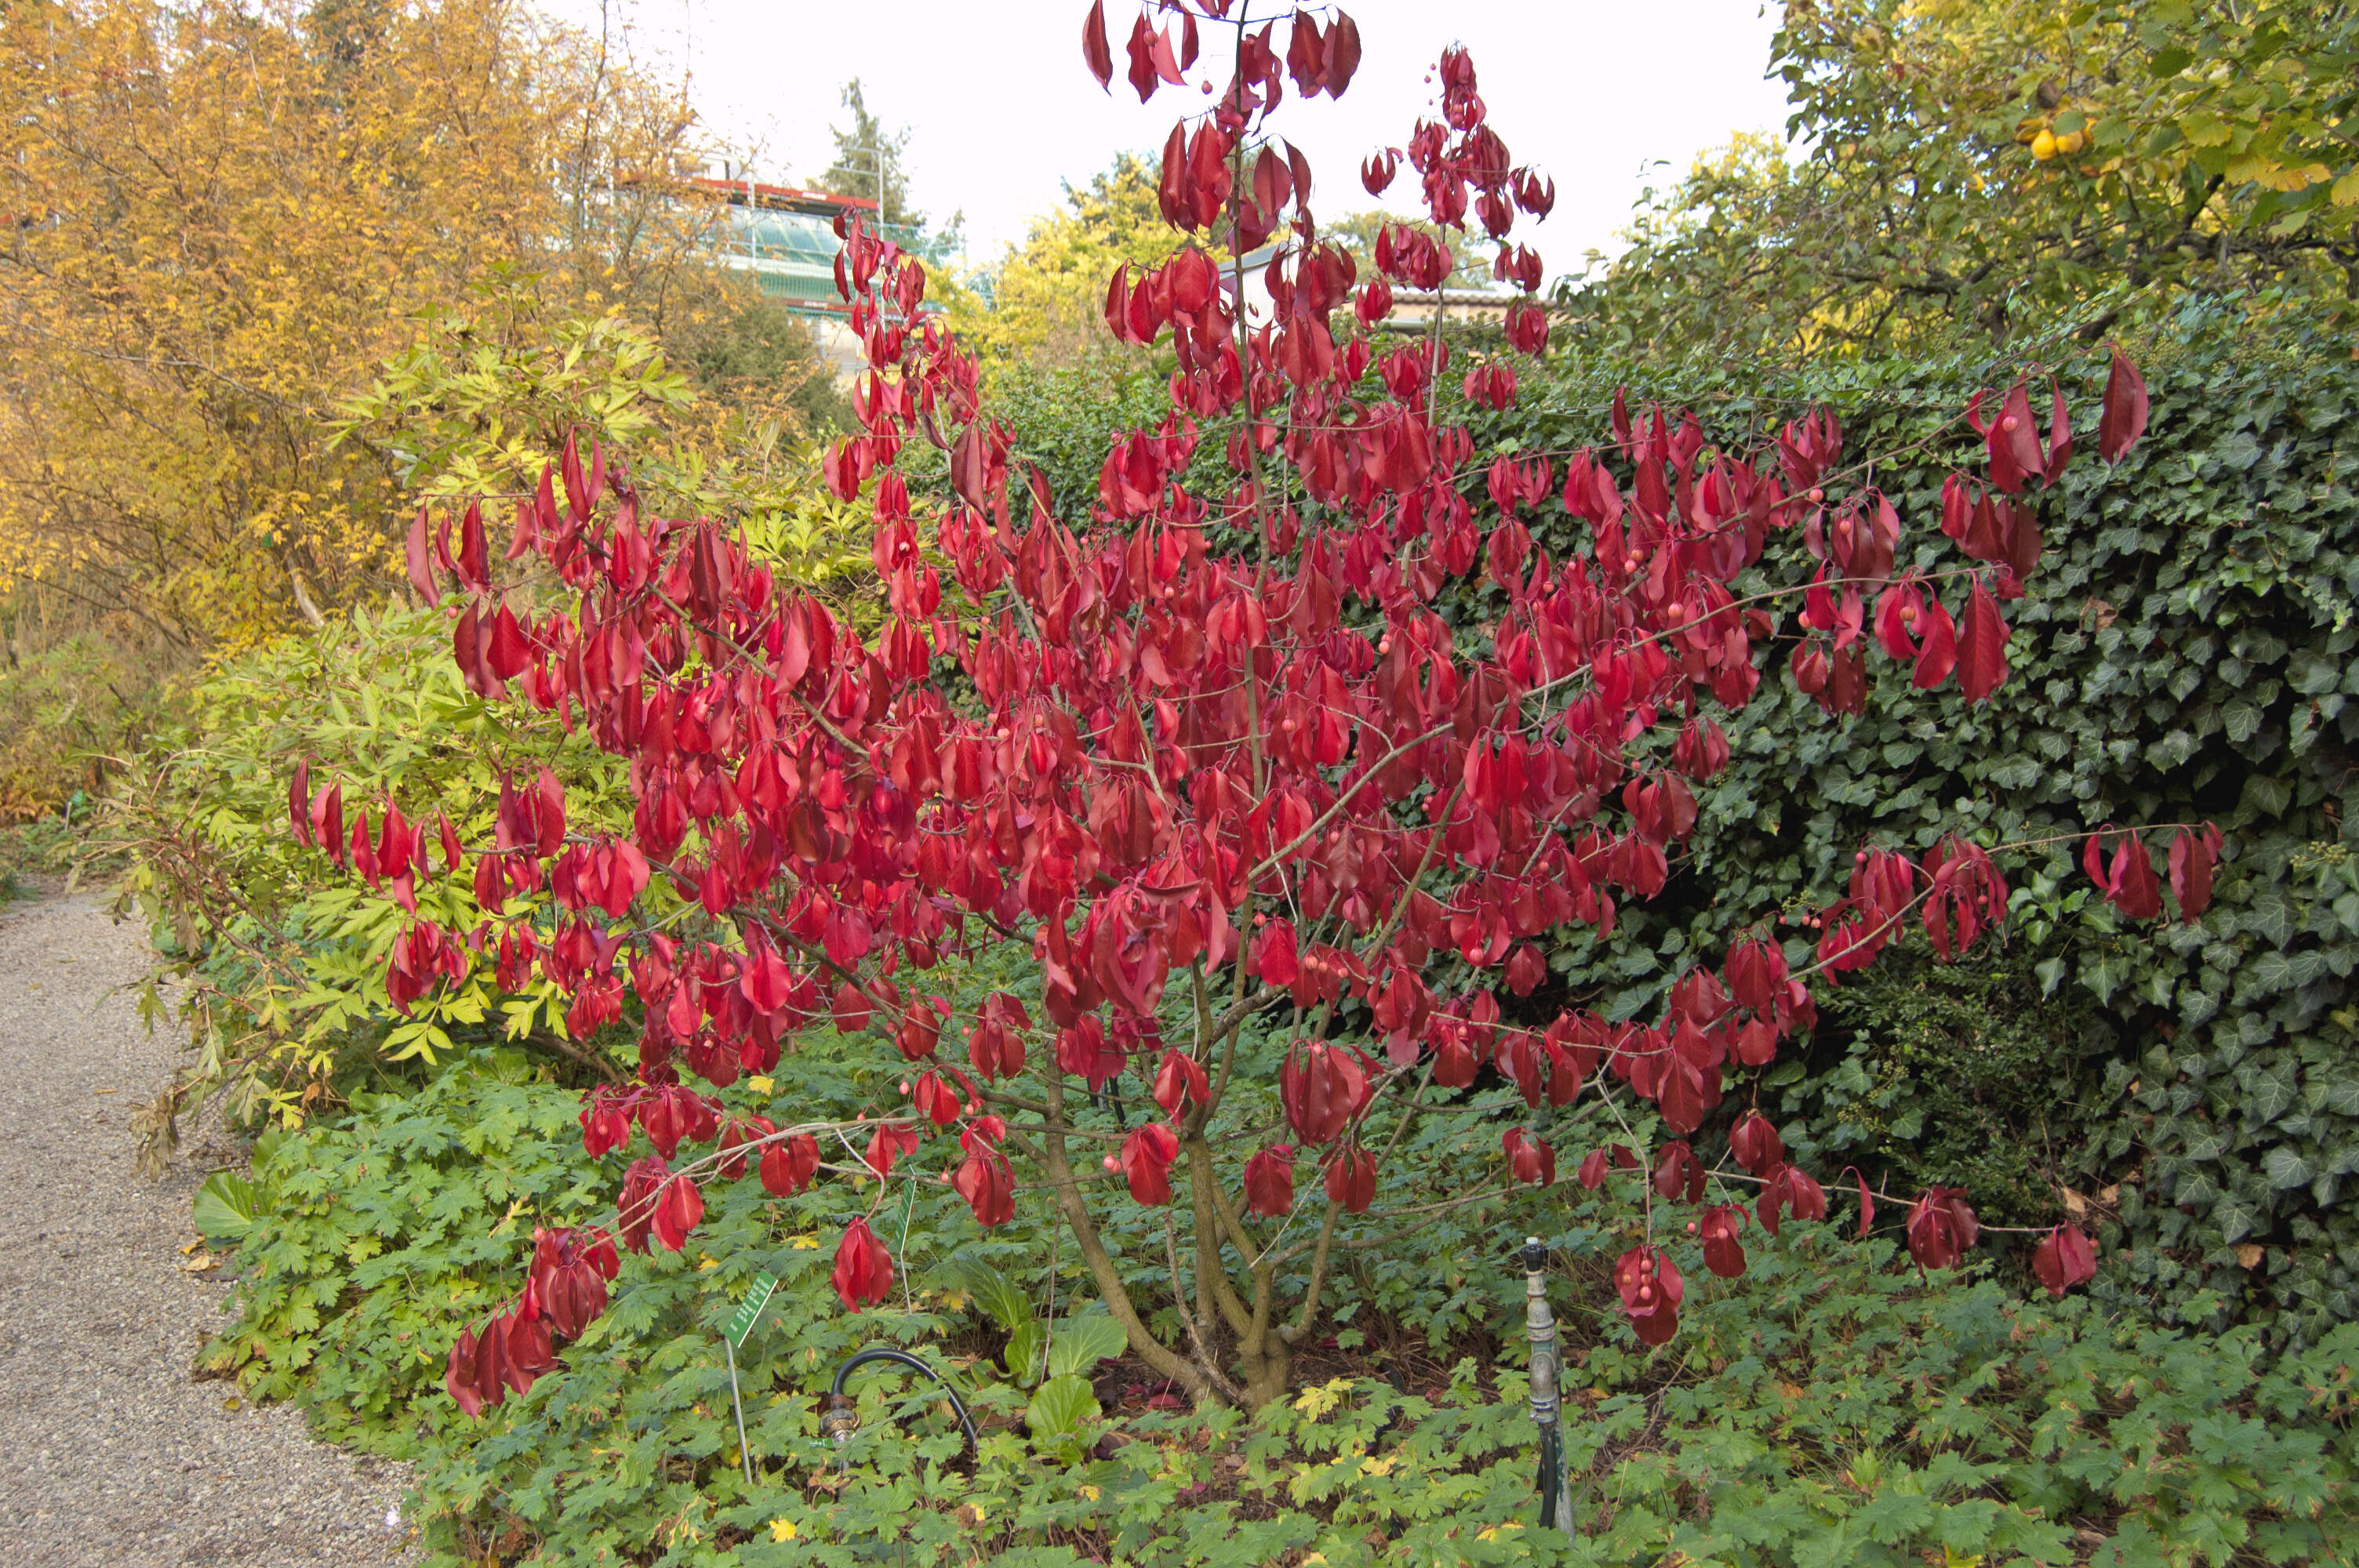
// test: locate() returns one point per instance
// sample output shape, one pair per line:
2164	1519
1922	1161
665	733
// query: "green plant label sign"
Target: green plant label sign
749	1311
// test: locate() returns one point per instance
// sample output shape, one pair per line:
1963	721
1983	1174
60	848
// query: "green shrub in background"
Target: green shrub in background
73	703
282	966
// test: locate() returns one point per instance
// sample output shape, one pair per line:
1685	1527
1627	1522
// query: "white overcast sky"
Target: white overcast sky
1604	95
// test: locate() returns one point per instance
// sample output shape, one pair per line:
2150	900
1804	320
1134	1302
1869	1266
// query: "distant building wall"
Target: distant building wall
785	238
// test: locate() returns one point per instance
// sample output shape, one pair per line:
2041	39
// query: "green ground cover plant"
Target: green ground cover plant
1836	1408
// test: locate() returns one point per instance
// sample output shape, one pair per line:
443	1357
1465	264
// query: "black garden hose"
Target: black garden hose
840	1421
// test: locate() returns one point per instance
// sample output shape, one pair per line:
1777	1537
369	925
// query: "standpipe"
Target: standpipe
1555	1485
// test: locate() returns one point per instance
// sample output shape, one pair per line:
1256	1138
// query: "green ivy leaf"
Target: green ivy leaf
2286	1168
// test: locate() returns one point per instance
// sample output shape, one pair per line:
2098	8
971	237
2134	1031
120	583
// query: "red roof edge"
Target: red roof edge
782	194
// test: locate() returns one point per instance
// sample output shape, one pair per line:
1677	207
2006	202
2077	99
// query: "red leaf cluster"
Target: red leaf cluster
864	1269
1940	1227
1207	726
1650	1287
508	1351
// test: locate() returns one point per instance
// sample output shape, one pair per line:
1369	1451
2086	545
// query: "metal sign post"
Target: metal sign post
740	1324
1555	1484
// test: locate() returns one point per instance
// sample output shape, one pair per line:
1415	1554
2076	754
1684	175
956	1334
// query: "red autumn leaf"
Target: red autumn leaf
1343	54
1677	1168
420	561
1321	1088
506	653
1940	1227
461	1374
934	1097
1529	1156
1179	1082
530	1353
1789	1189
643	1185
1352	1178
740	1133
1981	646
2126	410
2136	892
985	1180
1650	1287
677	1210
570	1269
605	1124
1593	1167
1938	655
1717	1228
2060	438
2013	441
298	814
2064	1258
1269	1181
1151	63
1755	1145
2194	854
788	1164
1866	1203
1146	1156
888	1143
2128	880
1273	956
864	1269
1096	53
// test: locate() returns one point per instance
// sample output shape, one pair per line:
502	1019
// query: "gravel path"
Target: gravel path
111	1454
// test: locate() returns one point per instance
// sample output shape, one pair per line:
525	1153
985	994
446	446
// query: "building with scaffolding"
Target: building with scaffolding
784	236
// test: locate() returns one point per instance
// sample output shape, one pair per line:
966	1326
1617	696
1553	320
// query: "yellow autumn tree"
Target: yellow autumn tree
2004	168
221	219
1045	299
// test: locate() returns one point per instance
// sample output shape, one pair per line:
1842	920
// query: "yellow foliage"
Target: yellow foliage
1046	299
222	217
2171	143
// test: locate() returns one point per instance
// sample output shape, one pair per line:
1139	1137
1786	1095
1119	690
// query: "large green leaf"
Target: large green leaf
1024	1344
996	1294
1080	1343
1060	1413
226	1207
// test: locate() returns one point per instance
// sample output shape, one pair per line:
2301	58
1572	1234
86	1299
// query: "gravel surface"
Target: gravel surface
112	1453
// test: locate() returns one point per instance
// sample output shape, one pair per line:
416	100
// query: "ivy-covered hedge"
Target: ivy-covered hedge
2183	654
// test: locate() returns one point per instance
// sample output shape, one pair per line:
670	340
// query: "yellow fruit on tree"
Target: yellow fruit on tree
2043	146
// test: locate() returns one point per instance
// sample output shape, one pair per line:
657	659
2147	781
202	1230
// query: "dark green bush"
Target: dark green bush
2183	655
